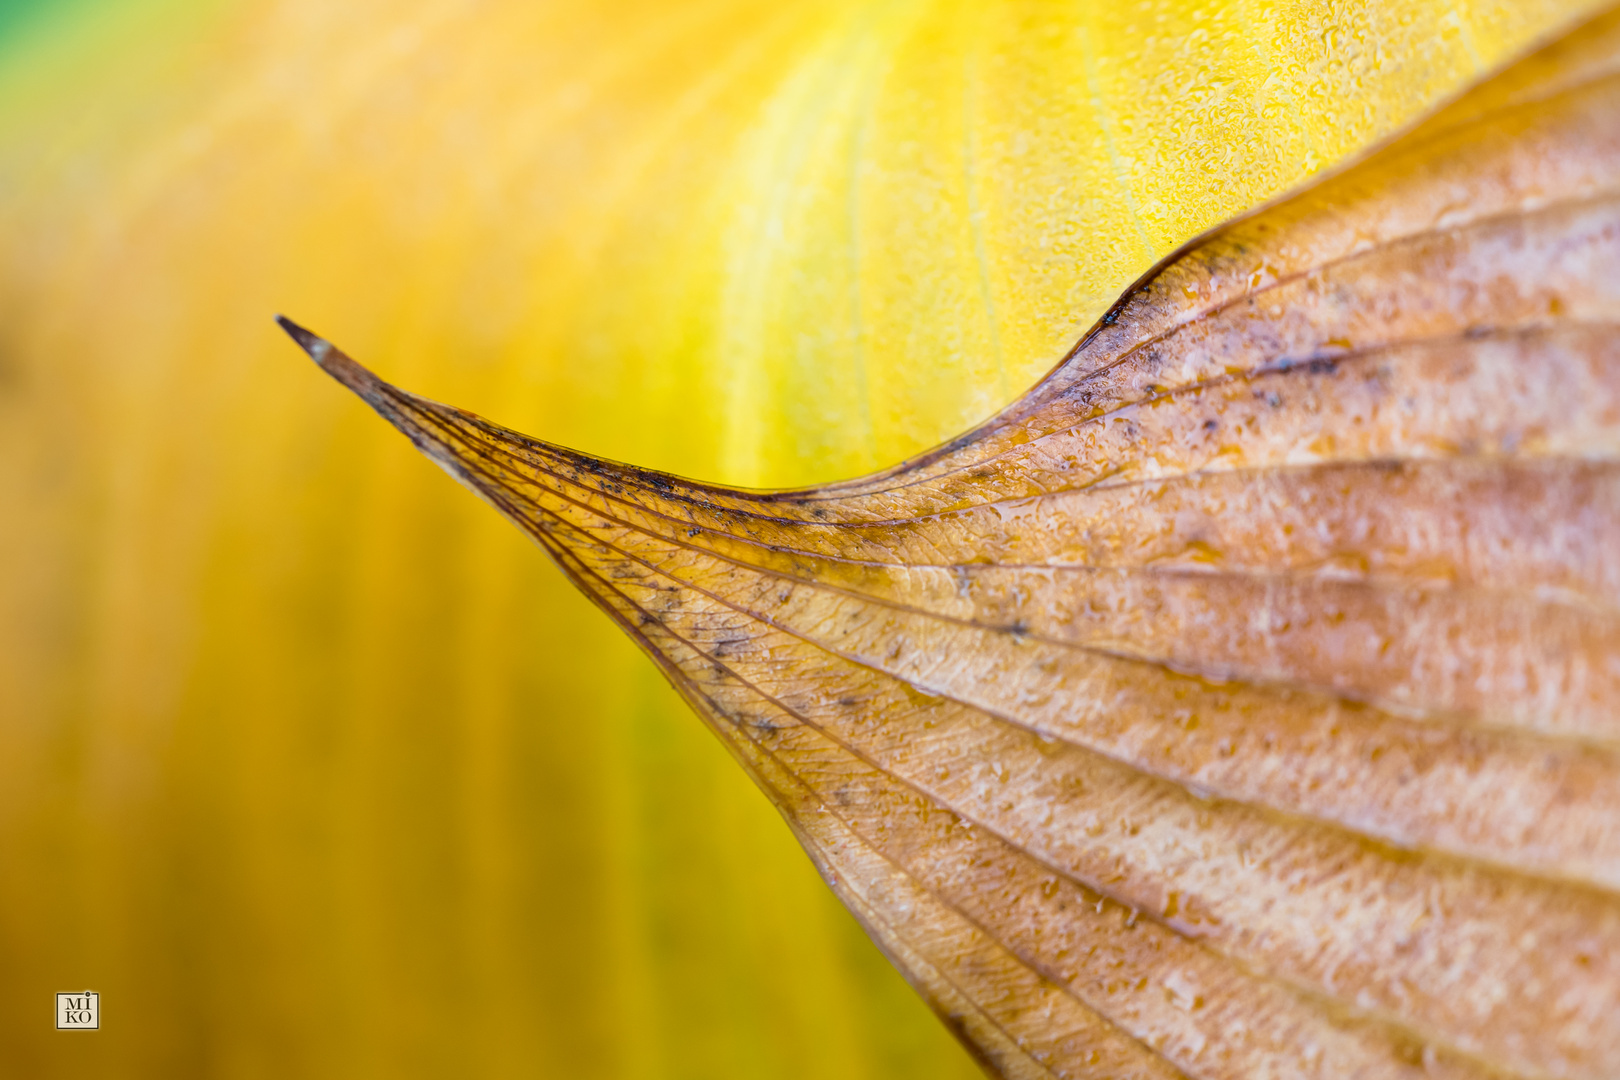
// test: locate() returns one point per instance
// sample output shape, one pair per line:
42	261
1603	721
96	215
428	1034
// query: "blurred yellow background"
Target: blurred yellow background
309	764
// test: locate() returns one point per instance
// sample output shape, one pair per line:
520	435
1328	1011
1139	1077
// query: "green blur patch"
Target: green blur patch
20	15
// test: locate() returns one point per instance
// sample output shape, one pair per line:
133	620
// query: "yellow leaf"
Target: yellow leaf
309	767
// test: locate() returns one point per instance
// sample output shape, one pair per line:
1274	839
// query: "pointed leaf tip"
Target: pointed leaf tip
334	361
314	344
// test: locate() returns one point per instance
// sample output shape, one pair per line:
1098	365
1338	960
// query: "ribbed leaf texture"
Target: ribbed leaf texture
1243	702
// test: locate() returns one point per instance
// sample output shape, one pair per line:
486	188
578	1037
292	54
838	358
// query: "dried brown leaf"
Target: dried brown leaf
1244	701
